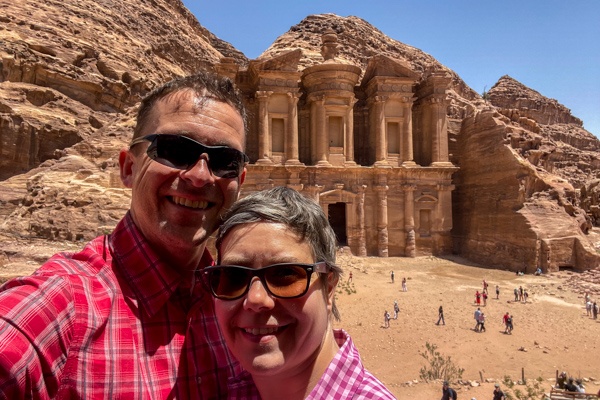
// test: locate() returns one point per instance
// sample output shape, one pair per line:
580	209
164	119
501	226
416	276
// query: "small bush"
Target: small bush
438	366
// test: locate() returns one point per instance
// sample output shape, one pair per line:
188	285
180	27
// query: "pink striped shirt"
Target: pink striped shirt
345	378
110	322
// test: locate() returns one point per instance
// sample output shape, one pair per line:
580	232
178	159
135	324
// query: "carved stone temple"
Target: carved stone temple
370	146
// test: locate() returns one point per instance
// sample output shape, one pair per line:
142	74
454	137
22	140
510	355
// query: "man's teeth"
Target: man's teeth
260	331
190	203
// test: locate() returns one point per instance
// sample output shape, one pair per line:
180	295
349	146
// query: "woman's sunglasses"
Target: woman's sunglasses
285	281
181	152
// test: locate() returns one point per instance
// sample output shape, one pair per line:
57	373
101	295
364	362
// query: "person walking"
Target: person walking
349	277
447	392
505	319
525	295
482	322
392	276
497	292
441	316
516	294
477	298
498	393
476	316
404	288
595	310
396	309
510	325
484	296
386	319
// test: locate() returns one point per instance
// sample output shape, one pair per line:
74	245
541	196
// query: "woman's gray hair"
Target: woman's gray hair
300	214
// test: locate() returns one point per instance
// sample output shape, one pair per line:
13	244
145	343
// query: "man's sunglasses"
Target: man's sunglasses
285	281
181	152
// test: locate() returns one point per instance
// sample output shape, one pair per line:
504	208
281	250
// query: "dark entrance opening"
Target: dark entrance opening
565	268
337	219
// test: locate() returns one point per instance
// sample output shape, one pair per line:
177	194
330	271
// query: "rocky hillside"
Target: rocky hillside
72	72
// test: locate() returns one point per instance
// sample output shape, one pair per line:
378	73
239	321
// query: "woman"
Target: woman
274	289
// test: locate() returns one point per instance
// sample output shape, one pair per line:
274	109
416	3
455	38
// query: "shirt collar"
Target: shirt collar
152	281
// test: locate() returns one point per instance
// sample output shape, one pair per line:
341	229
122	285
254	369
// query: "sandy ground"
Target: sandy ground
551	331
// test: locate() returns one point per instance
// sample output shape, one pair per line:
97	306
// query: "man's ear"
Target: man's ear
126	162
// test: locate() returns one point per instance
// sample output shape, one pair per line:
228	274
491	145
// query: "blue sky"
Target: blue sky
550	46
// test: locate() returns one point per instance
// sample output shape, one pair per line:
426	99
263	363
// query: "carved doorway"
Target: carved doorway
337	219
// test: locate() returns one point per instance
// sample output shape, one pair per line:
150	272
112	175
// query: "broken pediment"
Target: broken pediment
385	66
287	61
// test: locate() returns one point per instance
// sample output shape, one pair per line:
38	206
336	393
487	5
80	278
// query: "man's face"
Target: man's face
273	336
177	210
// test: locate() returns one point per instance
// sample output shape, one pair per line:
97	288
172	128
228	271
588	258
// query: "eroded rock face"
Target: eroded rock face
68	68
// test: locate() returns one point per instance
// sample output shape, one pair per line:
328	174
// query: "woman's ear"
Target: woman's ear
332	281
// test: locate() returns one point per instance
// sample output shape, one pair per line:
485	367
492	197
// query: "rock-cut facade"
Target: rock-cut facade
370	146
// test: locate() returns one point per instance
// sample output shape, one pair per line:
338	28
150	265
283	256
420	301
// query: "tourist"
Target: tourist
579	385
588	308
441	316
595	310
497	292
396	309
476	316
520	293
570	386
447	392
525	295
505	319
276	320
386	319
516	294
477	298
510	324
538	271
485	286
404	288
117	319
350	277
498	393
482	322
484	296
392	276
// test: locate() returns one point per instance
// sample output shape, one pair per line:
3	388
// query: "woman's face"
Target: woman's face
270	335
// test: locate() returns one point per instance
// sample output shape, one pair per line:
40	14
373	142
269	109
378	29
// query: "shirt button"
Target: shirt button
198	379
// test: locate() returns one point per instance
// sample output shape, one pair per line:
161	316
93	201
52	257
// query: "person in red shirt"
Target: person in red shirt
127	317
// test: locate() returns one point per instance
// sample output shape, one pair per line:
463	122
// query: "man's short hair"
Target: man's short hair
300	214
204	85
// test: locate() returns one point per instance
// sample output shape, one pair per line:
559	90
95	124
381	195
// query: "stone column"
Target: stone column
439	137
291	142
360	210
349	145
264	142
407	135
379	126
382	220
409	220
322	137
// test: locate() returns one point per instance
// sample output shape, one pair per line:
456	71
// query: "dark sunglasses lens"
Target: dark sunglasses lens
229	282
173	151
182	152
226	162
286	280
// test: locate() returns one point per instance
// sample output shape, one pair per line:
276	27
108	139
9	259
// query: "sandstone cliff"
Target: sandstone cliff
72	72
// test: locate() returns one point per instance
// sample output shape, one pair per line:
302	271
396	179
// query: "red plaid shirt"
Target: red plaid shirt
345	378
110	322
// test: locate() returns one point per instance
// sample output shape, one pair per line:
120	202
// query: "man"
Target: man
274	292
505	320
498	393
441	316
447	392
125	317
476	315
